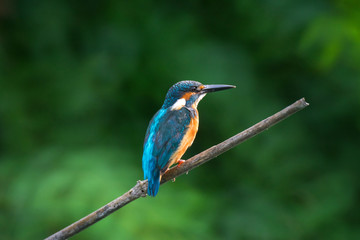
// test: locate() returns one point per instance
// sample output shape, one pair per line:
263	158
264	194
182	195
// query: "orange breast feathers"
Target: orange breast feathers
187	140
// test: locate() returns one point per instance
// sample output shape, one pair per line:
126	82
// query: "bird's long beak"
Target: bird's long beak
216	87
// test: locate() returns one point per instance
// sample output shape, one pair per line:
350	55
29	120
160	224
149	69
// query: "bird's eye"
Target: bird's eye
194	88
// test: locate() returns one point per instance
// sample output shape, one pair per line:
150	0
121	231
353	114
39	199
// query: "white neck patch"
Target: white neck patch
178	104
182	102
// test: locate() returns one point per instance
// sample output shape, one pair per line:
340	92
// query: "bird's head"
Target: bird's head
189	93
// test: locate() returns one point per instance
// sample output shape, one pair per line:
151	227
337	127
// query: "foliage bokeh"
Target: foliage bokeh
79	82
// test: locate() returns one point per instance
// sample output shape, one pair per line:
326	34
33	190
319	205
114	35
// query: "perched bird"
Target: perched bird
173	129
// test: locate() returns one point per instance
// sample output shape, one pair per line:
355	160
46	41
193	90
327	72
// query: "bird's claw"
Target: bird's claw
180	162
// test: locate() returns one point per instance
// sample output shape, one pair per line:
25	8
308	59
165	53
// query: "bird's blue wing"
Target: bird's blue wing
169	135
163	136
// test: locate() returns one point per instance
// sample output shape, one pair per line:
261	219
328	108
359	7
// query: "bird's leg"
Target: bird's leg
180	162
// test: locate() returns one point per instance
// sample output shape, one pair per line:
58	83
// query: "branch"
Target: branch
139	190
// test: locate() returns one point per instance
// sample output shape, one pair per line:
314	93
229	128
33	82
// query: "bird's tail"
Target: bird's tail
153	183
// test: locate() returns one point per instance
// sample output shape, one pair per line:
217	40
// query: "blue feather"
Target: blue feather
164	134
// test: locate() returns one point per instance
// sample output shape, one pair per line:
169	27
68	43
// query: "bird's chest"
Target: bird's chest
188	138
191	132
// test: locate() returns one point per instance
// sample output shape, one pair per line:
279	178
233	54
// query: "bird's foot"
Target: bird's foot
173	180
180	162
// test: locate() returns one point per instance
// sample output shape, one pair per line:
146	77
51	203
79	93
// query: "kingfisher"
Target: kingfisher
173	129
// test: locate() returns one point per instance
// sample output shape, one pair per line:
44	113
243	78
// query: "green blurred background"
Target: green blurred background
80	80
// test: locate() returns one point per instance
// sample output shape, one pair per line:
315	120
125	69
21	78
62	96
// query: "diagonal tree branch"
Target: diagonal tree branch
139	190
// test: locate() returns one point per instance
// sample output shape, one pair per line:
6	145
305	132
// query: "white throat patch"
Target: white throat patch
178	104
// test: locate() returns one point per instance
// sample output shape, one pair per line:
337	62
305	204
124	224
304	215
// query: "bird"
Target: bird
172	129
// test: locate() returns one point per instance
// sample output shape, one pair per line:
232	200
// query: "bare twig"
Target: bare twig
139	190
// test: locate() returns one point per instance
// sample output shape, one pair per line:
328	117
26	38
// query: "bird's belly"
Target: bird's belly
186	142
